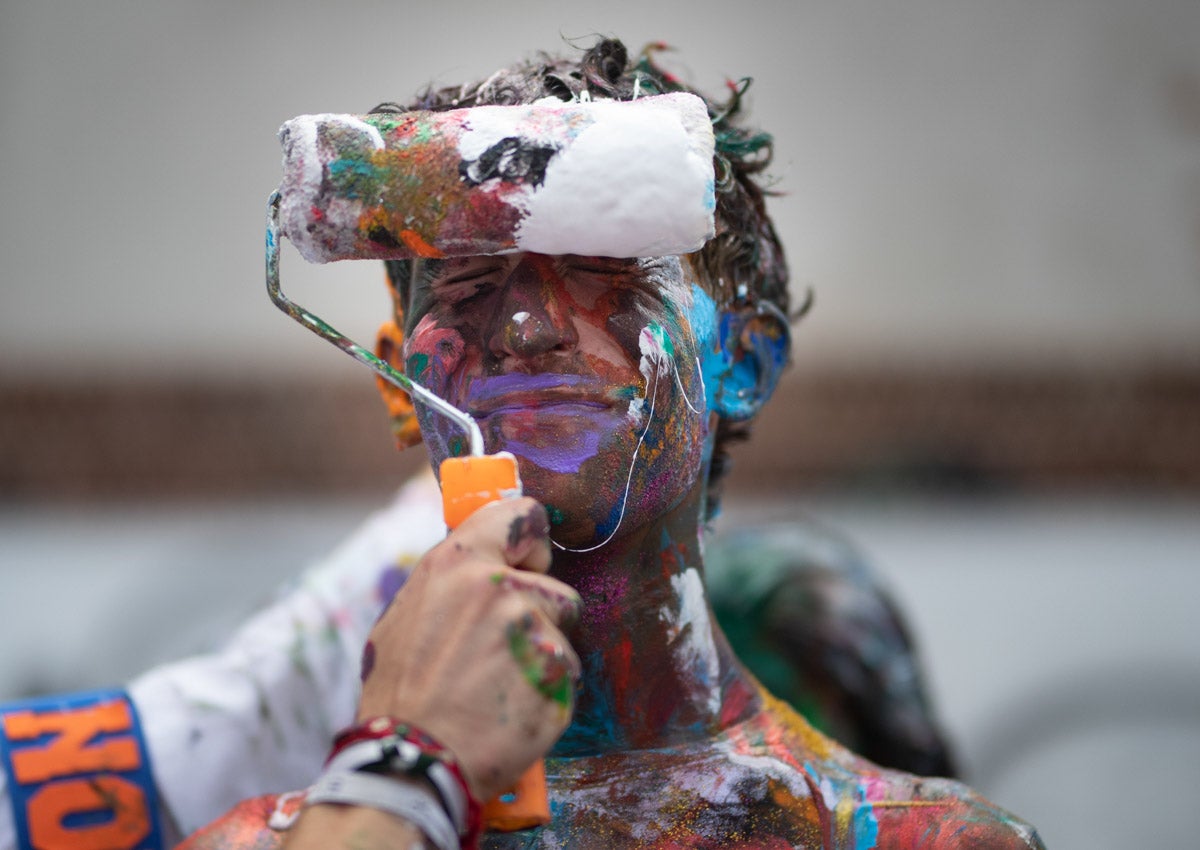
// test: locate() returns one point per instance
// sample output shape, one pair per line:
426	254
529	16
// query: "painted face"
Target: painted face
585	368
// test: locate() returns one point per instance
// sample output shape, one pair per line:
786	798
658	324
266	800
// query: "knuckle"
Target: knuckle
517	612
449	553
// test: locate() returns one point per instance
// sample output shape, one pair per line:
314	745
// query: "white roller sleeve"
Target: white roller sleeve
608	178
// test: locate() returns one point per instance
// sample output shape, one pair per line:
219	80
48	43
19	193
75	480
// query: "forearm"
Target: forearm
428	693
334	827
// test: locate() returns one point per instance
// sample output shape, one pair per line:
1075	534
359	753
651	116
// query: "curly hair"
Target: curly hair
743	263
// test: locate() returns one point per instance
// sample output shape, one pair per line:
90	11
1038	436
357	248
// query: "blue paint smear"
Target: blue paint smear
703	317
614	517
866	825
389	582
730	375
598	724
703	320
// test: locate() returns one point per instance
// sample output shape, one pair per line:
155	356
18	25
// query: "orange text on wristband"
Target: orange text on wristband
79	774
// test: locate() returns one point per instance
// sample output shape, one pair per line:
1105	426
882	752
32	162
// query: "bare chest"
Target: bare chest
674	800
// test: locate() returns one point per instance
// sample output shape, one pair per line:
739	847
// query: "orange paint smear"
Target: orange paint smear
419	246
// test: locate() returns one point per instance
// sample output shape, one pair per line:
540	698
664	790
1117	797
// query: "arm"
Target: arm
470	651
329	827
258	713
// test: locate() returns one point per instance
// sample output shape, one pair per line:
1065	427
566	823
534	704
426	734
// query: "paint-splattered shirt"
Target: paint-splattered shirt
261	712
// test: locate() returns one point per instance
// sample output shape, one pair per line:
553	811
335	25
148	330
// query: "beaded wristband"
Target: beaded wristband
414	804
384	744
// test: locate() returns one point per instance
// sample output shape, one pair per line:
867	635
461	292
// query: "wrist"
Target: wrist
410	803
363	827
386	747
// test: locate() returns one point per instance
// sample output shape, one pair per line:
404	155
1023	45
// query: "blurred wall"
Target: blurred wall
997	206
987	182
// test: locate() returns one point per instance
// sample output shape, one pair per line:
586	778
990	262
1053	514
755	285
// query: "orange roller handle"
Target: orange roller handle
523	806
469	483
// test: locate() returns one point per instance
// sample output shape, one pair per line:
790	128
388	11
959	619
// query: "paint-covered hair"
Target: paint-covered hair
743	263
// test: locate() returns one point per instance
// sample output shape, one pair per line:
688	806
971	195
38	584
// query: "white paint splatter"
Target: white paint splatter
829	794
769	767
654	362
487	125
691	635
653	348
305	162
712	775
635	410
636	182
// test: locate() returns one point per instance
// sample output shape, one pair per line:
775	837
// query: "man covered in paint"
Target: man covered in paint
798	603
573	624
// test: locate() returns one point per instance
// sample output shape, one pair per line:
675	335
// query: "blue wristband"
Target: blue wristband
79	773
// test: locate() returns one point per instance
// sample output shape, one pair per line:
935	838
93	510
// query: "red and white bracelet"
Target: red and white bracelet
415	804
384	745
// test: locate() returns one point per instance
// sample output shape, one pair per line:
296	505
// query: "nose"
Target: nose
532	317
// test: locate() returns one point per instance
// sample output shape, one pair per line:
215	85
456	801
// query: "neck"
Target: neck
656	669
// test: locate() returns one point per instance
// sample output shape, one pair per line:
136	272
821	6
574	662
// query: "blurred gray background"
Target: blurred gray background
1005	182
997	394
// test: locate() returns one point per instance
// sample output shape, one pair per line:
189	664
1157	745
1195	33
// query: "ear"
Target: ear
389	346
756	346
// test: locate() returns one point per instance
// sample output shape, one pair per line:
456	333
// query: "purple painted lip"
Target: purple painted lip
520	391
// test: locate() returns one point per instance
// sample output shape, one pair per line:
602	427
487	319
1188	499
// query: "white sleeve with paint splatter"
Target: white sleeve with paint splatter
258	715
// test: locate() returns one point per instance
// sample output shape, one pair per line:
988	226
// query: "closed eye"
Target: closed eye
472	274
471	281
461	290
601	265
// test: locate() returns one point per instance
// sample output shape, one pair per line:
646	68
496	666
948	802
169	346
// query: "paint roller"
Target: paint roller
589	177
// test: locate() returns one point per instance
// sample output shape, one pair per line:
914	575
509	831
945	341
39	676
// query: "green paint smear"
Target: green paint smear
663	339
355	178
534	666
417	364
387	123
383	122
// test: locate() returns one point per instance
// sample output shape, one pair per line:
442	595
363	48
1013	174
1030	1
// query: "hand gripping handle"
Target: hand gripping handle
469	483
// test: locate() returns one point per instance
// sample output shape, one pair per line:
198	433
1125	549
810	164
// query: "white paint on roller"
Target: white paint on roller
636	182
489	124
628	179
371	133
304	167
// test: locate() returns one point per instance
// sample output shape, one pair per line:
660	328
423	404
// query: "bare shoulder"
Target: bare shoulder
861	804
244	827
905	811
